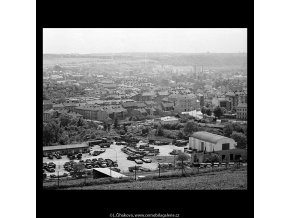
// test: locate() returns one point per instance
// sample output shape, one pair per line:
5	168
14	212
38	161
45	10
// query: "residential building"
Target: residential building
242	111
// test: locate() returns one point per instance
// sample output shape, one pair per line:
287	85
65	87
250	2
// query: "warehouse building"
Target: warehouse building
205	141
66	149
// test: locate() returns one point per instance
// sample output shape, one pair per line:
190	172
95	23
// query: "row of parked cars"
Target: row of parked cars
49	167
56	155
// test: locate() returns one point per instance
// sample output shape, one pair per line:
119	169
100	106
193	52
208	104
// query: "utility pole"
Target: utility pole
135	173
58	179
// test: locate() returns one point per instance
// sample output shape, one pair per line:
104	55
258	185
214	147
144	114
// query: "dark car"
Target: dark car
88	161
116	169
53	176
105	145
50	156
144	169
146	160
51	170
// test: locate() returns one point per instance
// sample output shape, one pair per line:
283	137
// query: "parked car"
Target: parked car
132	169
146	160
96	153
144	169
88	166
138	161
105	145
53	176
51	170
51	164
50	156
103	165
88	161
116	169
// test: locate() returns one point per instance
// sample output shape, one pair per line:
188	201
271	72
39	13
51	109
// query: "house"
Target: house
169	120
205	141
242	111
222	102
129	106
167	106
48	114
47	105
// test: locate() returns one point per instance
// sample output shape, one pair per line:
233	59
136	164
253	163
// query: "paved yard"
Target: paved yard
114	153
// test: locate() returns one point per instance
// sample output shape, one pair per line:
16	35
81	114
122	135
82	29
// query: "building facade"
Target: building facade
242	111
205	141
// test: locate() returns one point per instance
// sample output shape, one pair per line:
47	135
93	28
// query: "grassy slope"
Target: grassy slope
217	180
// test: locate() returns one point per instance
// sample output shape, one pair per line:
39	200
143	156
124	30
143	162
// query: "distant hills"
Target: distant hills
178	59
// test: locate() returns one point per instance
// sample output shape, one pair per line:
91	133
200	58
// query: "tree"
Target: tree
233	127
78	170
218	112
240	138
182	157
116	123
145	131
203	110
80	122
190	127
64	139
208	112
64	119
159	131
47	135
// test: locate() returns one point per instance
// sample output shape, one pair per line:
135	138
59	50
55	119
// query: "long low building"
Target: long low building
66	149
205	141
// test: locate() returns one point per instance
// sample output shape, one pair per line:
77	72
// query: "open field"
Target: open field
229	179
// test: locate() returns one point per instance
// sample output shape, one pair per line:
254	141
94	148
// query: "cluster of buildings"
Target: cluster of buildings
120	95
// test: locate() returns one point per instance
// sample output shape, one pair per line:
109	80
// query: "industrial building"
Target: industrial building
205	141
66	149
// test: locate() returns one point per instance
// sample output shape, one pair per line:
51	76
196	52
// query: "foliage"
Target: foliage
116	123
182	157
240	138
208	112
78	170
218	112
190	127
145	131
159	131
233	127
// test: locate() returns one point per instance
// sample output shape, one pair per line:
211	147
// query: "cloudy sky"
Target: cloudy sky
106	40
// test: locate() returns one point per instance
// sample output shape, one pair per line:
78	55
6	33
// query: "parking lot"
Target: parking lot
114	153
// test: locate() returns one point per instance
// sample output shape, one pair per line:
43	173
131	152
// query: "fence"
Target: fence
159	173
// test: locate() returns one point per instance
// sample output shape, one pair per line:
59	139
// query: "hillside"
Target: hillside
217	180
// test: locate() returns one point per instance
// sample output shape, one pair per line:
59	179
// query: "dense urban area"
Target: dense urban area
145	121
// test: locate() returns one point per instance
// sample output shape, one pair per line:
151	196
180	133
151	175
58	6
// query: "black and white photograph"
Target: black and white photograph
145	109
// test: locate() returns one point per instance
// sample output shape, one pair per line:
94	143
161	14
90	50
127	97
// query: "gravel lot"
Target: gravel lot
114	153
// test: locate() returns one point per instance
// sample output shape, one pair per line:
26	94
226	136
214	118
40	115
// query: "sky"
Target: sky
119	40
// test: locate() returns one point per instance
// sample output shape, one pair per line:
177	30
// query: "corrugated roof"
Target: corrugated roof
109	172
63	147
208	137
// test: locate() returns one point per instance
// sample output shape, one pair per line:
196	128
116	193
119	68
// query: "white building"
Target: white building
209	142
169	120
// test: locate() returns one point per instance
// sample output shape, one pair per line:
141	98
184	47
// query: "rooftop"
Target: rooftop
208	137
109	172
62	147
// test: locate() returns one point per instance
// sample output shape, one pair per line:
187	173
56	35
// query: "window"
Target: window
226	146
202	146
